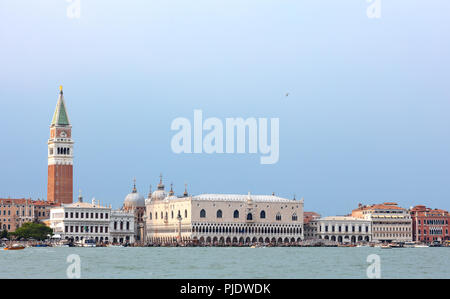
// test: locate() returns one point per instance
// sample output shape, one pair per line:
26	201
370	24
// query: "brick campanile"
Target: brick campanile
60	156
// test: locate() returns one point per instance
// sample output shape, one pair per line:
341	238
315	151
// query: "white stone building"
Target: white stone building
390	223
343	229
222	218
122	227
82	221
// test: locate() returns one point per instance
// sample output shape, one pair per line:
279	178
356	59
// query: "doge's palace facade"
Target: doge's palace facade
222	218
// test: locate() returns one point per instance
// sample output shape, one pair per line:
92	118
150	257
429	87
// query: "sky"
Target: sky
366	119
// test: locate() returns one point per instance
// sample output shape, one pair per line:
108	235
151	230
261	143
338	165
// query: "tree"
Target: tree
4	234
37	231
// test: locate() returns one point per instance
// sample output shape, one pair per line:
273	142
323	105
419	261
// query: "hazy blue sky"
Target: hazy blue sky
367	118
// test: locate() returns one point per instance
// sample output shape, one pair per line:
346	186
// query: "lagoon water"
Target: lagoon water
226	262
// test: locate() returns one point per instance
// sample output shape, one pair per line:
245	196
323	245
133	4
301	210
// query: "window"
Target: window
262	215
295	218
236	214
278	217
185	213
219	213
249	216
202	213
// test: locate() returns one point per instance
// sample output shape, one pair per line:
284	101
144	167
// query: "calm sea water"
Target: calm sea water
206	262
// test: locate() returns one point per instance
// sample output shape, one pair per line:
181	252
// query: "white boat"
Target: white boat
89	243
420	246
409	244
86	243
386	246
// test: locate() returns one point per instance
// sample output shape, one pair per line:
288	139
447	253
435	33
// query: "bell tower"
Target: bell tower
60	156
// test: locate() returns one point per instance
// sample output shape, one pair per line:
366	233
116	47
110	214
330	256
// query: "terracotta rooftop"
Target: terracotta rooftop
422	208
22	201
308	216
383	206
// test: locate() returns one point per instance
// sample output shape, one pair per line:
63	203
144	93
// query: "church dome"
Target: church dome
134	199
160	193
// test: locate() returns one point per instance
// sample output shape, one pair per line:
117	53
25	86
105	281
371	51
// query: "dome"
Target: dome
148	201
134	199
159	194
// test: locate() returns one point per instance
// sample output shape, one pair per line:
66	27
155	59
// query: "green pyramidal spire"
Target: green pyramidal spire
60	117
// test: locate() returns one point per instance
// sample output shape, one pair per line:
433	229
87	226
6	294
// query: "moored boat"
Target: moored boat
88	243
409	244
346	245
14	247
